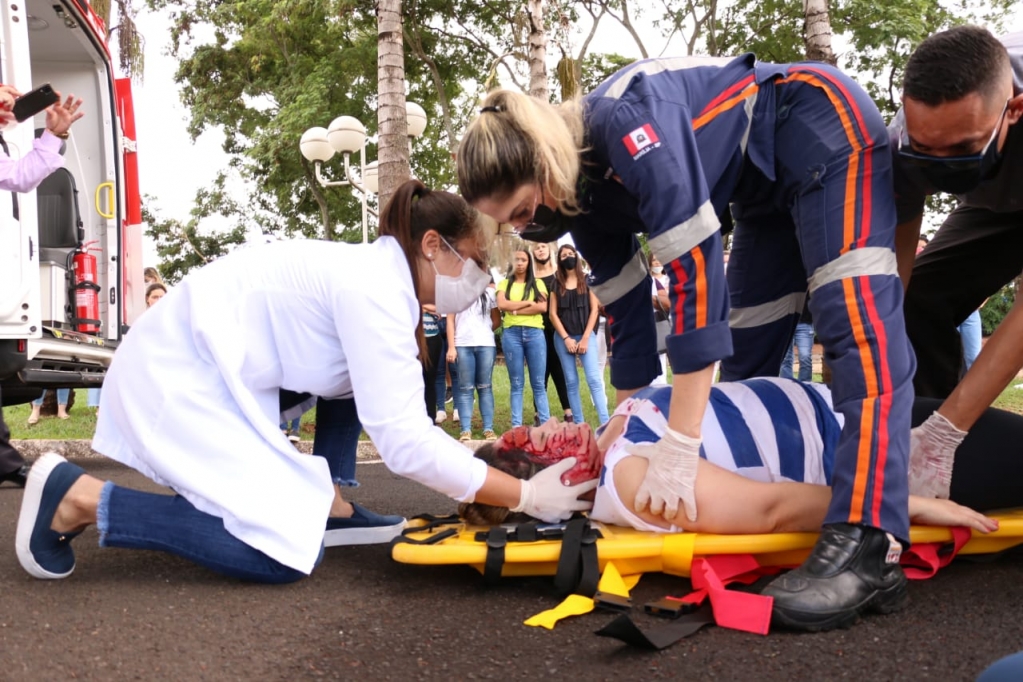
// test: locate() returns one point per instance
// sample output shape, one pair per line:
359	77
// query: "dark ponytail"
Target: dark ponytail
413	210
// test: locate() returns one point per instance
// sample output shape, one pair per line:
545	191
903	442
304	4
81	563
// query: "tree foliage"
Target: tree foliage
263	71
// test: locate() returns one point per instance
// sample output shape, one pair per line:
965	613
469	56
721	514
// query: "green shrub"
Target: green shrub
996	308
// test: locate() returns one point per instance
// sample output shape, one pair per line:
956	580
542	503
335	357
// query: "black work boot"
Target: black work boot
852	570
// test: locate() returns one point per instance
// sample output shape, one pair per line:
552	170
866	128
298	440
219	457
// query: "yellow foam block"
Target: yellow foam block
635	552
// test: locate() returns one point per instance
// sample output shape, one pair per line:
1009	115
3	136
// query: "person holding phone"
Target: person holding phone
24	175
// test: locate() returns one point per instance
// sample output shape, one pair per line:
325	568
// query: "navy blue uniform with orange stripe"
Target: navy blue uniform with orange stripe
799	153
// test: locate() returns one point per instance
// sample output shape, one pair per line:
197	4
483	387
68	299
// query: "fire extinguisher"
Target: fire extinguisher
83	298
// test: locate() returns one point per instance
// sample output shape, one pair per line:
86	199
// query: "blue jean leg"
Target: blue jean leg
591	370
514	361
595	378
464	390
571	378
131	519
62	397
534	345
803	343
970	332
475	372
337	438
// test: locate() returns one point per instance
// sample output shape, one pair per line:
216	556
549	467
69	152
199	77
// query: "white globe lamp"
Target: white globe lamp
314	145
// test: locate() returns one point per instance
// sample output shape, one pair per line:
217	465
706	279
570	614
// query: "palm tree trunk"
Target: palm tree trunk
817	32
537	52
393	154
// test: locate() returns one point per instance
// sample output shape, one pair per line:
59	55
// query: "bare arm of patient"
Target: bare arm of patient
732	504
729	503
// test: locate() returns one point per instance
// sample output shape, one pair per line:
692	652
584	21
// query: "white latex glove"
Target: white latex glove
670	476
546	498
932	448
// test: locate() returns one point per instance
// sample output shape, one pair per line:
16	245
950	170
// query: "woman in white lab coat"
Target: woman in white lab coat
329	319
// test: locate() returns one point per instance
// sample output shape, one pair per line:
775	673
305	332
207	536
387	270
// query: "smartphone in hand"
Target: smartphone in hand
31	103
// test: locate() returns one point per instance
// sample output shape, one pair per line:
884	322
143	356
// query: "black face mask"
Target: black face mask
568	263
547	225
956	174
543	261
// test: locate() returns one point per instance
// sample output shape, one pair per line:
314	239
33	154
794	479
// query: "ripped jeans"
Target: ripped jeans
475	371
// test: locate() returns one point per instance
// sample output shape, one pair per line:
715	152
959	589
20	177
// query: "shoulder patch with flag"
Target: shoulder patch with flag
641	141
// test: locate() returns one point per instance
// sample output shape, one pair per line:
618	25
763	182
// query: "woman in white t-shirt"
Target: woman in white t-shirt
471	345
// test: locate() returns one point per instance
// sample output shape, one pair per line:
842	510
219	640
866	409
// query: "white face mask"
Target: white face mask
452	295
657	269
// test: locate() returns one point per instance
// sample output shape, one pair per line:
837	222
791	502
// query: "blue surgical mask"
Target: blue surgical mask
956	174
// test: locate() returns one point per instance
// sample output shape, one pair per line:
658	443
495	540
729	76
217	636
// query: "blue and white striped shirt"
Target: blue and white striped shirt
764	429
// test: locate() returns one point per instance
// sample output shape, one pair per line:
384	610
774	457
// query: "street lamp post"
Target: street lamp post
346	135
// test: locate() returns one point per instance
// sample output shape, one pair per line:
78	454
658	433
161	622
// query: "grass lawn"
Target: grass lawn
83	419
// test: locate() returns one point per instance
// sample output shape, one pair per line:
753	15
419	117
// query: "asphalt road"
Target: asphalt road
143	615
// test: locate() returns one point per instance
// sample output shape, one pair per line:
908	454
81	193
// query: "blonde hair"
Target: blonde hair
517	140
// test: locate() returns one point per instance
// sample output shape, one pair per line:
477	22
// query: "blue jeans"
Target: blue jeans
444	368
337	438
803	342
526	346
594	378
131	519
293	426
475	370
62	397
970	332
94	394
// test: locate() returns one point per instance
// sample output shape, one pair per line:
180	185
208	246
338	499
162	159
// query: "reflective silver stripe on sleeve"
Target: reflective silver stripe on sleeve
765	313
625	281
659	65
750	101
871	260
685	236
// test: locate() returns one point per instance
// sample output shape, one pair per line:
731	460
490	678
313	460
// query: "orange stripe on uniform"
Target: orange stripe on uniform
719	105
867	417
865	213
700	284
870	376
886	396
849	220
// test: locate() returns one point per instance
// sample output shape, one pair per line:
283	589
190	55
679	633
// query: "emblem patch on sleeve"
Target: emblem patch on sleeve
641	141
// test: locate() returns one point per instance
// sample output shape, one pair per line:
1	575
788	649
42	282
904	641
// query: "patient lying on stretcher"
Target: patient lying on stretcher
766	461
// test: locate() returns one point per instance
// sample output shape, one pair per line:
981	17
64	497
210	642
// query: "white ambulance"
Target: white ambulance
70	252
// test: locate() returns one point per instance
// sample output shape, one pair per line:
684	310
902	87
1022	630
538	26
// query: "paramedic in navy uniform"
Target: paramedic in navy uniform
801	155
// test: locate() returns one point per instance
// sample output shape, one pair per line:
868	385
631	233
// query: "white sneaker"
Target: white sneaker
441	417
454	415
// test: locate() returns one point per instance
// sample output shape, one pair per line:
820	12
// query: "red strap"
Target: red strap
736	610
921	561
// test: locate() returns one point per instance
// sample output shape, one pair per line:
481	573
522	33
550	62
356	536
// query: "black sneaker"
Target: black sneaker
448	397
852	570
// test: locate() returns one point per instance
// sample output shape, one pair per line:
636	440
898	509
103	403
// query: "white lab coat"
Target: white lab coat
191	399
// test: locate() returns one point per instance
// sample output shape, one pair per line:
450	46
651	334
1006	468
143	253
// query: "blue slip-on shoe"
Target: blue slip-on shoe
363	528
45	553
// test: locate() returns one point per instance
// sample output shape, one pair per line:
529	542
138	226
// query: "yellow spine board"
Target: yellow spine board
635	551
